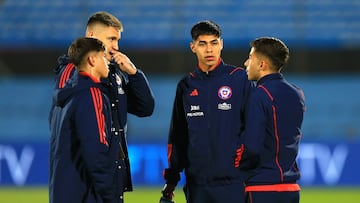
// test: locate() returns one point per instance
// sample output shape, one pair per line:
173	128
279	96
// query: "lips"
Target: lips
210	58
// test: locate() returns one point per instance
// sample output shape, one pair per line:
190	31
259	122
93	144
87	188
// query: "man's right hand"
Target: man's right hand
168	191
124	62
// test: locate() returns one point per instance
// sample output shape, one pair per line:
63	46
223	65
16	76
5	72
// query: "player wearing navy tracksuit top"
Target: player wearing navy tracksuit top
131	95
272	135
207	121
82	148
205	130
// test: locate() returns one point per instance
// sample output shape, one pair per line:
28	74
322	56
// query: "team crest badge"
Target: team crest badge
225	92
118	82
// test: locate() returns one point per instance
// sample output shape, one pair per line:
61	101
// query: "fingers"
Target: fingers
124	62
119	57
168	191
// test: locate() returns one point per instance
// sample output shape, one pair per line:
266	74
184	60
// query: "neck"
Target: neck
91	76
206	69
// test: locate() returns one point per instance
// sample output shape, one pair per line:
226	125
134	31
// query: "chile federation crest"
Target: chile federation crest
225	92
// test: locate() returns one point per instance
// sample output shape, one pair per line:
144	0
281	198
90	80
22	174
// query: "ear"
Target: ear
265	65
89	33
221	44
192	46
91	59
262	65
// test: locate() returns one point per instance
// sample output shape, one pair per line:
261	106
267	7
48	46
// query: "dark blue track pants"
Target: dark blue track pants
272	197
215	194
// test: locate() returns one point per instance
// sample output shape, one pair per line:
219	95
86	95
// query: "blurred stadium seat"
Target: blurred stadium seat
166	23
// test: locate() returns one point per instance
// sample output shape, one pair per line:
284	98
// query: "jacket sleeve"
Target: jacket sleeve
64	72
255	130
177	140
140	96
92	130
248	88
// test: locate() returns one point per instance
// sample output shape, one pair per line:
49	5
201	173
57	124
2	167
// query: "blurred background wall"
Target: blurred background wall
323	37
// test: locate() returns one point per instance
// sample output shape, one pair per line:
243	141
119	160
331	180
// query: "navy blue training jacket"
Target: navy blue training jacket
272	133
127	94
82	152
207	120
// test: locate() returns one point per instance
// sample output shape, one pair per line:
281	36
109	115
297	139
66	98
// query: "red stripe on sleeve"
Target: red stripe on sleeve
275	132
236	69
277	144
98	106
169	152
65	75
267	92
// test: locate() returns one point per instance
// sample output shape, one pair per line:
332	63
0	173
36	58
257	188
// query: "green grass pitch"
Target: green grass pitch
152	195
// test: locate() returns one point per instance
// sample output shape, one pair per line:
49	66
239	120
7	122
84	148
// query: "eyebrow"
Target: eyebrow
202	41
113	38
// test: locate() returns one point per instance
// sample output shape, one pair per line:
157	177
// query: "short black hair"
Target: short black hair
206	27
81	47
273	48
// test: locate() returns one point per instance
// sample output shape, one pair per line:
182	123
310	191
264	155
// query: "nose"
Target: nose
208	48
115	45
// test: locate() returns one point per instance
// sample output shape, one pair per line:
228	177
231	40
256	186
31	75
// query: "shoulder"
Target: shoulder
299	92
238	75
85	87
234	71
90	98
262	93
184	80
238	72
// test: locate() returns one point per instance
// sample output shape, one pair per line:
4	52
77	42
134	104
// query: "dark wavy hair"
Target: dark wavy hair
81	47
274	49
206	27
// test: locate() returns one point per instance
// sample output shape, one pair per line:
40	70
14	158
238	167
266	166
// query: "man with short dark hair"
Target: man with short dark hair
207	121
273	121
81	167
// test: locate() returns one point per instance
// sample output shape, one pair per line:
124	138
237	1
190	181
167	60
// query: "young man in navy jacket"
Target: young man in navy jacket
81	147
126	86
207	121
272	132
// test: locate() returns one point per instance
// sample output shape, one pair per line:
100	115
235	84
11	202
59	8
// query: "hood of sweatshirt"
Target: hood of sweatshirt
62	61
78	82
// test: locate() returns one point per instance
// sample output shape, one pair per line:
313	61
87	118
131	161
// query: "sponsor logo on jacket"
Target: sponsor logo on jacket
195	111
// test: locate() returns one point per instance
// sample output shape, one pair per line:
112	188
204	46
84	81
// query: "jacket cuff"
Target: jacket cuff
171	177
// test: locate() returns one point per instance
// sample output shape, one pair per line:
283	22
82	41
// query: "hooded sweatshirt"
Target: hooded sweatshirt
81	154
127	94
